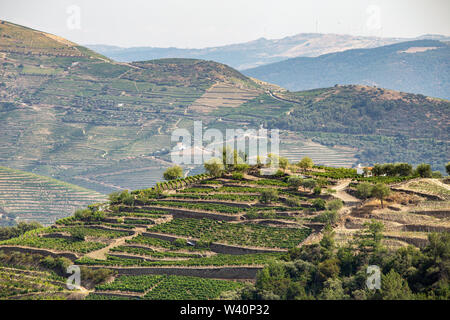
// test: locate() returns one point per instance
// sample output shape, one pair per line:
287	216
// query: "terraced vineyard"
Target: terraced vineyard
160	287
179	288
234	233
414	209
328	156
177	241
27	284
38	198
75	115
428	187
149	234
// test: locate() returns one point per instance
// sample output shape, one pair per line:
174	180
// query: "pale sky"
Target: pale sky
205	23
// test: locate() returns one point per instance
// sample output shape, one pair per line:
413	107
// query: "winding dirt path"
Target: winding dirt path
344	196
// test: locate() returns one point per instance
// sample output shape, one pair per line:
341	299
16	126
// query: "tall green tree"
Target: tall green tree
403	169
294	182
369	239
364	190
173	173
305	164
309	184
424	170
380	191
284	163
394	287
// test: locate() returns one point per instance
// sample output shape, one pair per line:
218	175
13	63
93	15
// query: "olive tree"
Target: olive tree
305	163
173	173
214	167
380	191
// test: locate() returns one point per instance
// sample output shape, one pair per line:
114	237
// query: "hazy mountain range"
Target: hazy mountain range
421	66
258	52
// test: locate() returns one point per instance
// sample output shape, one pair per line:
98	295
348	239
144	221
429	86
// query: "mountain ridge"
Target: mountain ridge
419	67
252	53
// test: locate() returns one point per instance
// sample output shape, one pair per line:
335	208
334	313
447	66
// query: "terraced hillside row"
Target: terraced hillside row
203	238
295	150
414	209
159	253
29	196
159	287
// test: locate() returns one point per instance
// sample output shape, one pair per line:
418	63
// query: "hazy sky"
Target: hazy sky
203	23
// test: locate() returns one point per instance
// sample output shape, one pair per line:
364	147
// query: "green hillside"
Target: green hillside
28	196
382	125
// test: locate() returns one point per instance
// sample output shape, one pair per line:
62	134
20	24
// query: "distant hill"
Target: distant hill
383	125
253	53
33	197
421	66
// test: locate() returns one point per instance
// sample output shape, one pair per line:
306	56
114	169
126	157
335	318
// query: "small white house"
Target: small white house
367	171
359	169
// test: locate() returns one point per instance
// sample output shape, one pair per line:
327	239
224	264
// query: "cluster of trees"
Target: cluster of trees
314	185
19	229
330	272
390	169
366	190
231	161
405	169
90	214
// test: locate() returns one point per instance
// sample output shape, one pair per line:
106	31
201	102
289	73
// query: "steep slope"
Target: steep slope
253	53
70	113
416	66
16	39
28	196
